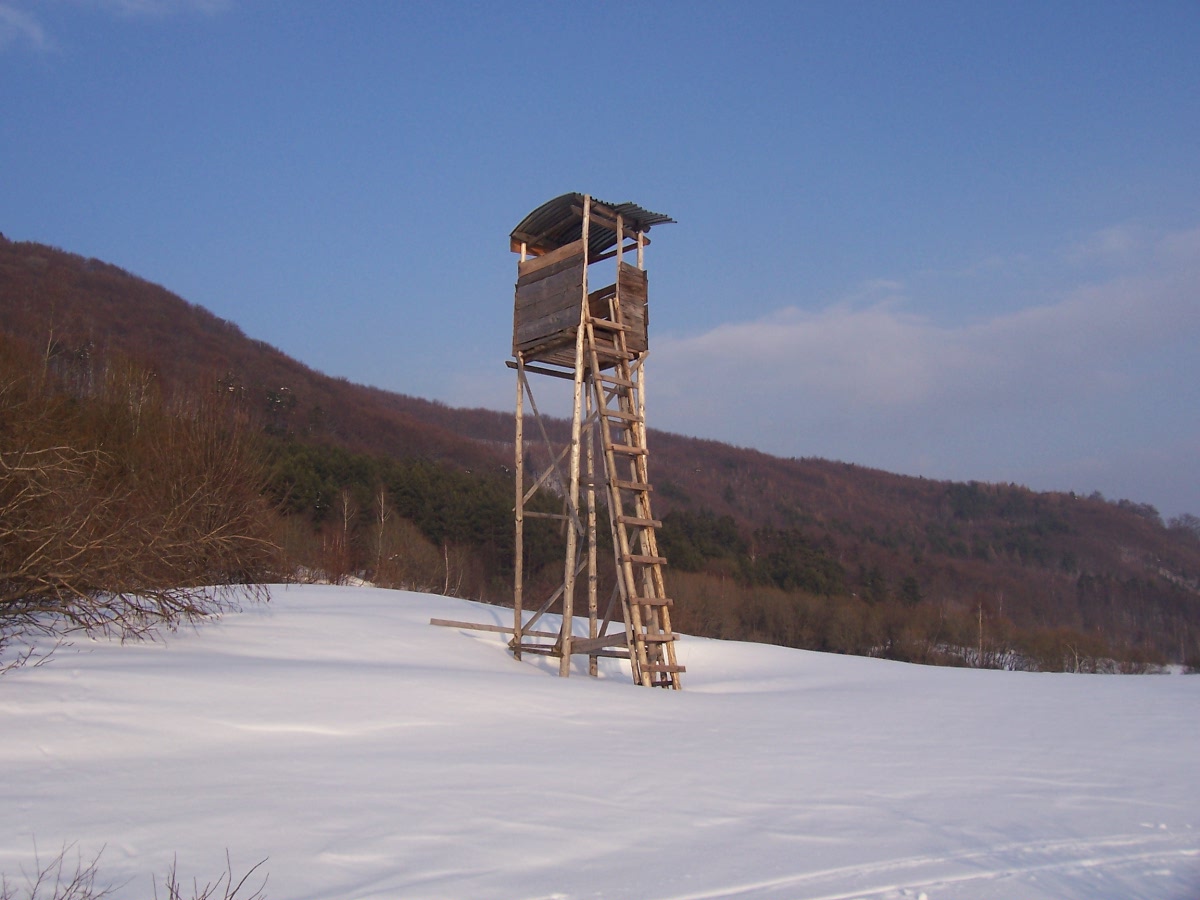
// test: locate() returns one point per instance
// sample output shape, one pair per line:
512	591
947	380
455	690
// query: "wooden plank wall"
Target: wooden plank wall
548	296
633	306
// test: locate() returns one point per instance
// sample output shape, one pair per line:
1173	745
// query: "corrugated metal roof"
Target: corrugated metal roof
556	223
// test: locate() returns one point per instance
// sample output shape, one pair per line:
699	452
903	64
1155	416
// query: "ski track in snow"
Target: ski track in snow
370	755
945	876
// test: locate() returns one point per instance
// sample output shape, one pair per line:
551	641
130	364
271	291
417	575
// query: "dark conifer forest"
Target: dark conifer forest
166	426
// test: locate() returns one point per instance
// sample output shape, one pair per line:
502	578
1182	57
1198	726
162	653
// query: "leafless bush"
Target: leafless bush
58	880
223	888
118	514
20	654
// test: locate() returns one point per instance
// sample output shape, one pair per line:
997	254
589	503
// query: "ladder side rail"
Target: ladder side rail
632	425
645	622
621	545
654	583
657	588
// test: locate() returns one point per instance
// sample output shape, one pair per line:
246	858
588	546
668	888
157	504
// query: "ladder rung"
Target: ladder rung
621	414
663	667
630	486
613	352
609	325
665	638
644	560
615	381
652	601
629	450
642	523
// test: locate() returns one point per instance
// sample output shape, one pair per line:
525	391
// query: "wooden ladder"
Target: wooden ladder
616	386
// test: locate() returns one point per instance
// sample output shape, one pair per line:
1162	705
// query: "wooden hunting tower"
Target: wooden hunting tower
595	337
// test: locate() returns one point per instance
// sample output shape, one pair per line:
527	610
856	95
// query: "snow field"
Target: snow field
368	754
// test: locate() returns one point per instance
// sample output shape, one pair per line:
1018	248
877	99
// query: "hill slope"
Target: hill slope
366	754
85	311
999	554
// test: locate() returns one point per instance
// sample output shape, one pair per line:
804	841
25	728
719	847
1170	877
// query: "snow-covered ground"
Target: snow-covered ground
368	754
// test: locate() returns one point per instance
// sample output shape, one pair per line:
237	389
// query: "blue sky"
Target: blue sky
959	240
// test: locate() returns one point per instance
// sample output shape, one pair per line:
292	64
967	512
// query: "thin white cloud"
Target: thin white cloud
1117	244
878	381
20	27
859	357
881	355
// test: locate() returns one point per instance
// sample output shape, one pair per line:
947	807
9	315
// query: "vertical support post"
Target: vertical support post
572	555
593	579
620	255
519	507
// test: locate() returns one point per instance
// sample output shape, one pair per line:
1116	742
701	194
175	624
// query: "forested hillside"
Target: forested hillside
806	552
